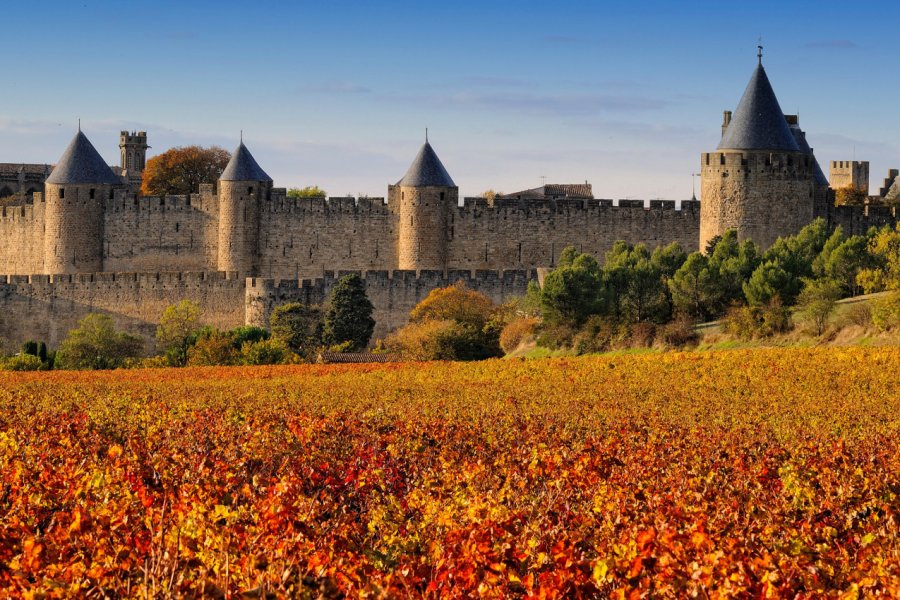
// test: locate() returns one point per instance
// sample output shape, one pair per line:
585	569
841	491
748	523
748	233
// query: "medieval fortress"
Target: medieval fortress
84	240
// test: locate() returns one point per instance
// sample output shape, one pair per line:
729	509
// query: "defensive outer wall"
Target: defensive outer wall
45	307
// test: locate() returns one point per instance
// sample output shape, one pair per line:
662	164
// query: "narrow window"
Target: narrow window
442	196
111	194
91	194
250	190
62	193
177	226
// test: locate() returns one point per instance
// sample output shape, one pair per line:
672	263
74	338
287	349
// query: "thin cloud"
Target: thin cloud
335	87
497	82
839	44
563	105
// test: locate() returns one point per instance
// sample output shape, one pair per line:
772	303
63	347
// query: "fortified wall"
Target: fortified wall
45	307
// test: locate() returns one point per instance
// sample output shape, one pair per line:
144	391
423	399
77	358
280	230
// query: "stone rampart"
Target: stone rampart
46	307
22	237
393	293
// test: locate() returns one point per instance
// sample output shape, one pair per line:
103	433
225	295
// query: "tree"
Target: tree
299	327
451	323
349	315
884	272
310	191
845	262
818	299
96	344
573	291
177	331
768	282
181	170
732	263
694	288
849	196
634	284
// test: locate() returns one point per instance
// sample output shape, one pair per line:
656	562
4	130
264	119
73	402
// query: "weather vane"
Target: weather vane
759	49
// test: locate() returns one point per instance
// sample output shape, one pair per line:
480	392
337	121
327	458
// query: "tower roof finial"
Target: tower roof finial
79	124
759	49
242	136
426	135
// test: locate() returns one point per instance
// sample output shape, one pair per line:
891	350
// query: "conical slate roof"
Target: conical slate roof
243	167
800	138
81	163
426	170
758	123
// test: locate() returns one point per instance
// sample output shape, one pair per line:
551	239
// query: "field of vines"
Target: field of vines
759	473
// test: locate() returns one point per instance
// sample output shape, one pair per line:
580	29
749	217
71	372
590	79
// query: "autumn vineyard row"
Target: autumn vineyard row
765	473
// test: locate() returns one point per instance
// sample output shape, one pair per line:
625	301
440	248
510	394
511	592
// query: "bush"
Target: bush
211	349
753	322
642	334
264	352
679	333
859	314
427	340
886	312
96	344
817	301
516	331
22	362
600	334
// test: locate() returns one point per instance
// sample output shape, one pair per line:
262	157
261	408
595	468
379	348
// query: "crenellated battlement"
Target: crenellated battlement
758	163
280	203
567	205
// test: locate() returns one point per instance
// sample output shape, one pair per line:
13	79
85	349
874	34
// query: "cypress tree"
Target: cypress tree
349	316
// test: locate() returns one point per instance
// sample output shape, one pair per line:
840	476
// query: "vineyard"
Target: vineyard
763	473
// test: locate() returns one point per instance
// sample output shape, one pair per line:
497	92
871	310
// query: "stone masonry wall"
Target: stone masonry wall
393	293
22	238
177	233
44	307
304	238
533	233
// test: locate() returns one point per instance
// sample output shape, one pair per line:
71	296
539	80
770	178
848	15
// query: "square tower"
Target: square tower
847	173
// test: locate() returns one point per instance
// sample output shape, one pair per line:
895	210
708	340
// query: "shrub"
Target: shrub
858	313
427	340
817	301
22	362
642	334
600	334
679	333
753	322
264	352
886	312
516	331
96	344
212	348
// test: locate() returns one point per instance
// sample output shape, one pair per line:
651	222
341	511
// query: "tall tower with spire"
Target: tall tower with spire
760	181
75	194
243	187
423	201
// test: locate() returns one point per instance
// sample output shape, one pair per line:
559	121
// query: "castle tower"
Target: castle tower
133	149
759	181
243	186
849	173
423	201
75	193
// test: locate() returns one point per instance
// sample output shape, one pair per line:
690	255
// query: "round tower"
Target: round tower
424	199
75	194
243	186
759	181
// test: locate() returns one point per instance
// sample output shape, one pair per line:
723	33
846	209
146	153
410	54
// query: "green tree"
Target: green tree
694	288
573	291
732	263
768	282
177	331
299	327
96	344
844	263
817	301
349	315
634	284
311	191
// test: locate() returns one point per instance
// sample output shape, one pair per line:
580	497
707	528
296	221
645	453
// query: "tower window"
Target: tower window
250	190
91	194
62	193
442	196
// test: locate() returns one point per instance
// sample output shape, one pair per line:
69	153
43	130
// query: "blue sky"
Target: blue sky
625	95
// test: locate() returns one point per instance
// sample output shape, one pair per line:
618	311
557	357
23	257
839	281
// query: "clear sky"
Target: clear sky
623	94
